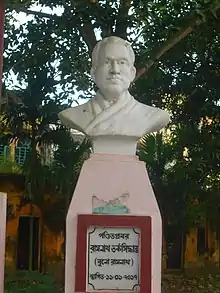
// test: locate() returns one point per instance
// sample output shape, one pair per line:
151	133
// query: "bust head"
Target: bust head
113	66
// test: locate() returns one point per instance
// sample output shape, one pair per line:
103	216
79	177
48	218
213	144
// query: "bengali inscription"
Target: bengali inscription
113	258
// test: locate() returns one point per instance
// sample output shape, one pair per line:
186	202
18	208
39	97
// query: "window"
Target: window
21	151
4	153
201	240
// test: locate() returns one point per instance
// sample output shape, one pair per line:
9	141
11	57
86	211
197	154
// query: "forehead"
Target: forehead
114	51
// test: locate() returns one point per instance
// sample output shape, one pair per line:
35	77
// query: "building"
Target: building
200	248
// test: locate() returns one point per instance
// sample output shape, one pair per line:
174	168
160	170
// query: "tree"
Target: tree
186	184
166	170
33	120
65	169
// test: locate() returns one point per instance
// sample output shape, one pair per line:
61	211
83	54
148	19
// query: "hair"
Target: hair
110	40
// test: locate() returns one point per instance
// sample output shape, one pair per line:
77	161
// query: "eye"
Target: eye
123	62
107	61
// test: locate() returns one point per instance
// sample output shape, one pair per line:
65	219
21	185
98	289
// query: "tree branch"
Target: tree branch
88	35
99	14
169	44
38	13
86	30
122	19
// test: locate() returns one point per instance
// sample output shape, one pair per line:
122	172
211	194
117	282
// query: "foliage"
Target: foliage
53	163
30	282
186	84
64	172
179	184
29	121
167	178
62	43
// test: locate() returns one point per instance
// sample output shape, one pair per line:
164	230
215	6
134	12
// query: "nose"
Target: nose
114	69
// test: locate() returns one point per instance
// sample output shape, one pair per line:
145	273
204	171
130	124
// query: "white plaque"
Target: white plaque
113	255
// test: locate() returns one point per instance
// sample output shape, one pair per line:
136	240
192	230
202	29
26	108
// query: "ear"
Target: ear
92	73
133	73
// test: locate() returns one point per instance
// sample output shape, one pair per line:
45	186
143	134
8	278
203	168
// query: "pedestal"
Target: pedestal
120	185
3	204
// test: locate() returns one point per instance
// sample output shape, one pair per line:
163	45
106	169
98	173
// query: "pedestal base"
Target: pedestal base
107	178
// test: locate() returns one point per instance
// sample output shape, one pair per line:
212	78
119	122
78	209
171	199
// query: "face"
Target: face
114	71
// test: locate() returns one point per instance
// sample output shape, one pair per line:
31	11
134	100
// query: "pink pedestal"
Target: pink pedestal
108	177
3	204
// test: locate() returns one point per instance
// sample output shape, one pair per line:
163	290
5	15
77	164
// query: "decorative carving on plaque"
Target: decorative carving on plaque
115	206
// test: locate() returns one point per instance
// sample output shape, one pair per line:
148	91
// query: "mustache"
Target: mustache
114	77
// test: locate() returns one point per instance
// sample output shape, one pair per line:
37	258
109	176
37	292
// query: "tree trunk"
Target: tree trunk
42	256
31	223
31	197
2	20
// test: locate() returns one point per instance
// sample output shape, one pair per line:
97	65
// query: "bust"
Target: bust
113	112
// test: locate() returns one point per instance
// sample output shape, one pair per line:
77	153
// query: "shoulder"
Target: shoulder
153	118
77	117
80	108
150	110
70	112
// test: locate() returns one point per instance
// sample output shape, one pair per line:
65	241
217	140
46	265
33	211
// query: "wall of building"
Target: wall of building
200	250
51	243
201	253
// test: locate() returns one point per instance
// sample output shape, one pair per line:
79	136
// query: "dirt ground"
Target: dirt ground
198	281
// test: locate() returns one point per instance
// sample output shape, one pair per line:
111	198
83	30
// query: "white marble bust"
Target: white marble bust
113	111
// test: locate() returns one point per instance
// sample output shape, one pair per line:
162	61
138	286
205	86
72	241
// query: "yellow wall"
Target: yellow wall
190	254
192	259
52	243
209	258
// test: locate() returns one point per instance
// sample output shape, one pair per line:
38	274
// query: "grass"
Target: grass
7	167
196	281
30	282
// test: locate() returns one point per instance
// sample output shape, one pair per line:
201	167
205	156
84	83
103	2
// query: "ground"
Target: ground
196	281
199	281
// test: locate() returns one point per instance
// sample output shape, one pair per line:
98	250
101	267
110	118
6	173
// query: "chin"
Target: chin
113	91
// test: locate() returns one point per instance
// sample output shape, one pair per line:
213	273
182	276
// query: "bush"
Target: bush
34	282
